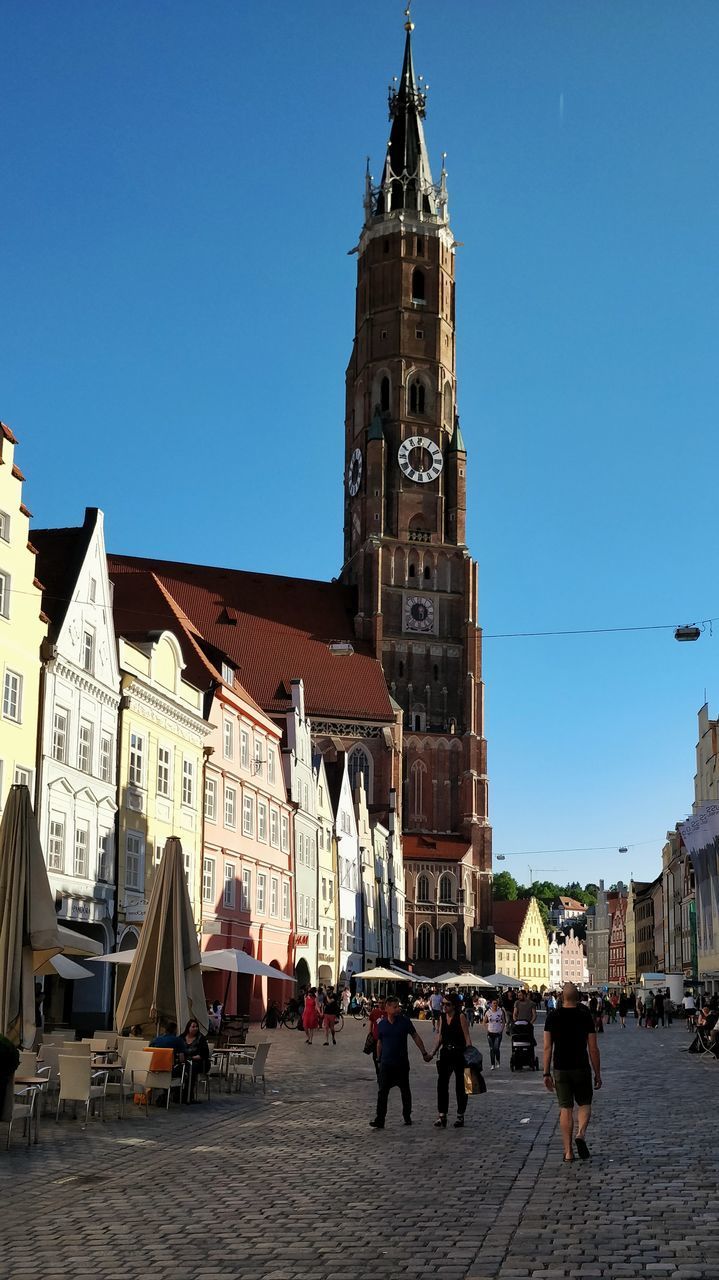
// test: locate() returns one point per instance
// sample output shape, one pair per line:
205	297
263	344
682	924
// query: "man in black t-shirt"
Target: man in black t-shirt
569	1036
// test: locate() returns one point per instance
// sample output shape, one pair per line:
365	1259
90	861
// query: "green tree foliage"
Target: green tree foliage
504	888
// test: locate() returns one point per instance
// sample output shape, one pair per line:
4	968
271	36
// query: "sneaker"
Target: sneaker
376	1124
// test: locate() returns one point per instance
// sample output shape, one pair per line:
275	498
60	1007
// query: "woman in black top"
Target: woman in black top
452	1040
197	1058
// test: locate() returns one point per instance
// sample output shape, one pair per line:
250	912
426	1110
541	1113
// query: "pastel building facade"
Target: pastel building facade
23	627
328	898
520	924
300	782
162	735
349	873
77	759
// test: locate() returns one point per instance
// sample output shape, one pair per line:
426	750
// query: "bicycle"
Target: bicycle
286	1017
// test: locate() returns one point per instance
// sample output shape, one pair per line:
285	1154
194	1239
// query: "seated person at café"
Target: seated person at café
169	1039
197	1058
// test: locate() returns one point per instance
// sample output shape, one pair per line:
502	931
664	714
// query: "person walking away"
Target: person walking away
507	1003
649	1019
331	1014
393	1031
690	1010
659	1008
495	1021
452	1039
569	1036
435	1006
310	1015
623	1009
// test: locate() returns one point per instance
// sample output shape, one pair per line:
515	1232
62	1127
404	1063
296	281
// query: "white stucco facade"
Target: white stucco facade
77	767
301	782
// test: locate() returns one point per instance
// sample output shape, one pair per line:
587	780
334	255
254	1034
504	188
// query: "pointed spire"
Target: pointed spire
456	444
407	177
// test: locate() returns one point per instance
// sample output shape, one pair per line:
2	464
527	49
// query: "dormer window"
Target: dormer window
228	674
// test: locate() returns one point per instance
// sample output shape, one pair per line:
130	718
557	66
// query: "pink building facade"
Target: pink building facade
574	960
247	891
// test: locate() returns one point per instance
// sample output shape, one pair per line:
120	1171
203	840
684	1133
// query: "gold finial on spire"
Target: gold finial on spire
409	25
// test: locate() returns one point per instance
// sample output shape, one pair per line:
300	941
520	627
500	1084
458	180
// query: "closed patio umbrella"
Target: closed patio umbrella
28	924
164	981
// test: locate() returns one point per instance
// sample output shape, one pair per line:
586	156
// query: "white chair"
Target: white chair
28	1063
78	1083
252	1069
78	1048
54	1037
20	1105
130	1045
125	1085
216	1073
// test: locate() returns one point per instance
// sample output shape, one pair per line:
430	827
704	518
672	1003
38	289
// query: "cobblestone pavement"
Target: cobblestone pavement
295	1184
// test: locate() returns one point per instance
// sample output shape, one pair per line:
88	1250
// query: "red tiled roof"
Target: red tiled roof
274	630
17	472
571	904
435	848
508	918
503	942
25	511
7	433
60	554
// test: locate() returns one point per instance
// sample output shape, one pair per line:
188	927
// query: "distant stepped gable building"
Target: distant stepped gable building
405	529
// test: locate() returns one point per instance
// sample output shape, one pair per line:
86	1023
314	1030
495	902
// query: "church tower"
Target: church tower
405	505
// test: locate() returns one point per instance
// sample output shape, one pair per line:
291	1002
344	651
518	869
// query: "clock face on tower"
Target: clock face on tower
354	472
418	613
420	459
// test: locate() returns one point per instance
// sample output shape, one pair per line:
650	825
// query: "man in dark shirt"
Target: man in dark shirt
569	1035
169	1039
393	1031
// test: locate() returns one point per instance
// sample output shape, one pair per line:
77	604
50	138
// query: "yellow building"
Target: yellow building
506	957
519	924
160	777
23	628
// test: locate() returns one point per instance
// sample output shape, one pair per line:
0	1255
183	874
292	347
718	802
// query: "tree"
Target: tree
544	913
504	888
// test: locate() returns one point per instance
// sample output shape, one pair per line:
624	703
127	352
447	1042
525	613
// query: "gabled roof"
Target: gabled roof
60	556
503	942
435	848
508	918
273	630
571	904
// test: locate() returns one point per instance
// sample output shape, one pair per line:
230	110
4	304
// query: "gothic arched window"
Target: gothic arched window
384	395
416	776
447	404
446	942
422	889
358	766
416	396
445	889
417	285
424	942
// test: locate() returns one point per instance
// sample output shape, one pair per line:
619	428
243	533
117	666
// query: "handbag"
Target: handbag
368	1046
474	1081
473	1057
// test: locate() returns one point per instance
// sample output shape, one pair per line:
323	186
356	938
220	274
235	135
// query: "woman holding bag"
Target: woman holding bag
452	1040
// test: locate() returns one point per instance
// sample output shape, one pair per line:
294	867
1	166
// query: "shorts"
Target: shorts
573	1086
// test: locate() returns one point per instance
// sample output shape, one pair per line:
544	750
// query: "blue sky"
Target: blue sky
182	184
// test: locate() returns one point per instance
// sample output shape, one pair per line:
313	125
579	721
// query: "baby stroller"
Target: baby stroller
524	1048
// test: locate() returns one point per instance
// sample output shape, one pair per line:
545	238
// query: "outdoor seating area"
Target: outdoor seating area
110	1075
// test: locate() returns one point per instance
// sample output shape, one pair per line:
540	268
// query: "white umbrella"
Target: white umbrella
385	975
446	978
76	944
469	980
231	960
63	967
502	980
115	957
